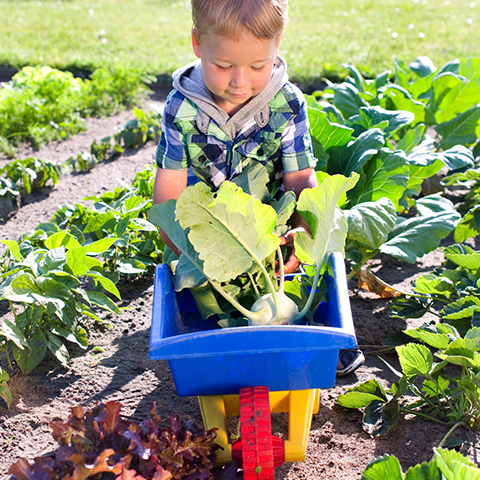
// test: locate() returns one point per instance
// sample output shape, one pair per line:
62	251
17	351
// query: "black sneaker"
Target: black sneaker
349	361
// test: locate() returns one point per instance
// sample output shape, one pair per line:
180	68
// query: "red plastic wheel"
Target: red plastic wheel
259	450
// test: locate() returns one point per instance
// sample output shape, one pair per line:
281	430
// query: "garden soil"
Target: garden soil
338	448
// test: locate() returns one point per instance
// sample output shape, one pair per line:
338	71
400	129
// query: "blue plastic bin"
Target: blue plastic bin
208	360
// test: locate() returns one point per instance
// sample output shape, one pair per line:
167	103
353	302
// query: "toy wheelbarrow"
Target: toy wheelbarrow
252	371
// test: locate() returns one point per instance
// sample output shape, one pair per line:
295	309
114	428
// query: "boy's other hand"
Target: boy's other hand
291	261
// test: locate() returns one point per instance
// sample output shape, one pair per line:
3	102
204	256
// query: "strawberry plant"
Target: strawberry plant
447	464
451	292
101	444
439	395
46	284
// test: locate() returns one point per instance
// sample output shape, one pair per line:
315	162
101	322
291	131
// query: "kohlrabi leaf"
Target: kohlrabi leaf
328	227
284	208
459	130
253	180
370	222
353	156
231	230
189	270
328	134
370	117
384	175
413	237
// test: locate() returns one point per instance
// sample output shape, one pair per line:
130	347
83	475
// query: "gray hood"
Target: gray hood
189	81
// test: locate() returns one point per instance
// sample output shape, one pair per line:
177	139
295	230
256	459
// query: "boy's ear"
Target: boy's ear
195	43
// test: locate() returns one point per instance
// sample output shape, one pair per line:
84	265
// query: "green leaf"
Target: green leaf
379	417
347	99
470	261
327	133
231	231
408	307
206	301
130	266
105	282
58	349
396	119
61	239
6	394
28	358
189	271
386	467
384	175
461	308
370	222
460	130
430	284
53	260
424	471
412	138
101	300
284	208
328	227
253	180
455	466
422	66
14	249
436	340
21	289
353	156
415	359
361	395
76	260
98	221
413	237
100	246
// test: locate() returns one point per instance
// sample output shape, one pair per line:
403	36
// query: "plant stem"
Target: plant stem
423	415
257	293
312	294
247	313
444	439
281	269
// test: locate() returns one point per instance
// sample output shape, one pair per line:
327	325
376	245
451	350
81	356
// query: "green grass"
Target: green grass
155	35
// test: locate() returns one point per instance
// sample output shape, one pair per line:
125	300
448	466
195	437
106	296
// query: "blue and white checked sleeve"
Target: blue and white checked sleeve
297	151
172	149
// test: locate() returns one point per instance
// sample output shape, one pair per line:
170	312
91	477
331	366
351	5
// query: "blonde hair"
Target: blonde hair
264	18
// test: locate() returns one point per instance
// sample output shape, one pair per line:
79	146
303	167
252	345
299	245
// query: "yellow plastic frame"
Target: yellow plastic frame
299	404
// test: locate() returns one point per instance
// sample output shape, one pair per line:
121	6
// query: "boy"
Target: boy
234	107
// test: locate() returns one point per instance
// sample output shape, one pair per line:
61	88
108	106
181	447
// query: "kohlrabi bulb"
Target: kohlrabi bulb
269	315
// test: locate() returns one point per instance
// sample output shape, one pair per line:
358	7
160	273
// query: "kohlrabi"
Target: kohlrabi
230	235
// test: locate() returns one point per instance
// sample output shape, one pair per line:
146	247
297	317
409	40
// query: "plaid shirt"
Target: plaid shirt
282	145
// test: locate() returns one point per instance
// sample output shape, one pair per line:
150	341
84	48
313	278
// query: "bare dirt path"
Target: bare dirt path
338	448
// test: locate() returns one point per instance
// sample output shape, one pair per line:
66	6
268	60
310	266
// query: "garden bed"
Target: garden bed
120	369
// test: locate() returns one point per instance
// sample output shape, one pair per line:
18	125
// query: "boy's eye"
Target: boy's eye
222	68
259	69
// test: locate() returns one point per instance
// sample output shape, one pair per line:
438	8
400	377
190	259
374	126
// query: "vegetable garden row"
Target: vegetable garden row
378	142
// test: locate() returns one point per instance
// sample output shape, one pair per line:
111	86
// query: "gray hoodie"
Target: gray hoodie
189	81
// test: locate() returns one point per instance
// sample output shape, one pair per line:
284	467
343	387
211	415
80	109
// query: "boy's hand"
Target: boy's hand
291	261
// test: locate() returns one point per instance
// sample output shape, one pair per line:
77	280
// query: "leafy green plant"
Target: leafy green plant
445	464
141	129
31	173
41	104
230	233
382	212
101	444
112	89
451	292
439	396
83	162
47	285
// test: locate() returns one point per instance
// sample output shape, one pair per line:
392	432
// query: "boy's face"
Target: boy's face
235	70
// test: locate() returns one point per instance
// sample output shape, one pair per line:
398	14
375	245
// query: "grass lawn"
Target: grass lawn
154	35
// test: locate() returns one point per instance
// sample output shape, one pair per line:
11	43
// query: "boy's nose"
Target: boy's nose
239	78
